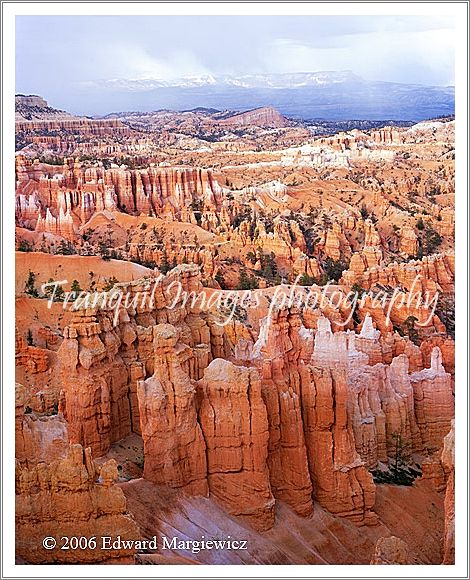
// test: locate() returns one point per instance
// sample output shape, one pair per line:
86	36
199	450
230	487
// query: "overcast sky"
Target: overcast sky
55	54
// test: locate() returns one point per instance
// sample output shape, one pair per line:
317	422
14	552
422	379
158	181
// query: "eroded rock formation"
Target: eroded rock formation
61	491
235	425
173	442
448	462
71	497
284	411
310	411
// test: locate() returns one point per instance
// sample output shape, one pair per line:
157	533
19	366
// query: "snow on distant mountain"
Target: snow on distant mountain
291	80
308	95
250	81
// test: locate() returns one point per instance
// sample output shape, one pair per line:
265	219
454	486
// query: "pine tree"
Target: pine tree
49	290
246	282
103	251
53	291
165	265
410	329
59	294
75	288
219	278
110	283
30	286
401	458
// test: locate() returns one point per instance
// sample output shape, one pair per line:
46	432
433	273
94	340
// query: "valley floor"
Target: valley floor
414	514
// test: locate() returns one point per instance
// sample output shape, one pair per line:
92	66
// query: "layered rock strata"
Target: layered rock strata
61	491
302	415
234	422
174	446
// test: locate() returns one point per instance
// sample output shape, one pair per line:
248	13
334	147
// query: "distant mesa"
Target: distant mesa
33	114
30	101
35	108
262	117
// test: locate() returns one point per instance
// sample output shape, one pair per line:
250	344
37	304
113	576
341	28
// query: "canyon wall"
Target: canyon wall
60	199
